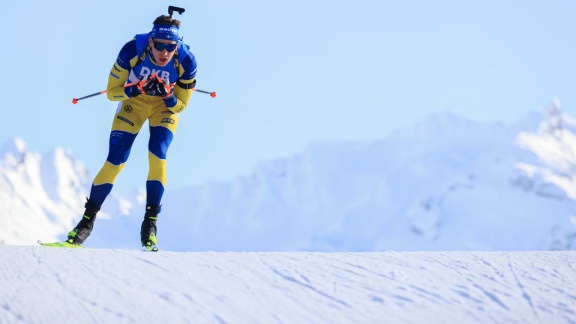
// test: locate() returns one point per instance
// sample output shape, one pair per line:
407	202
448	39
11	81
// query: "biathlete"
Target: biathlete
160	72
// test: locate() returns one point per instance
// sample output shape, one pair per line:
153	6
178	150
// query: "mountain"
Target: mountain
117	286
41	196
36	194
446	183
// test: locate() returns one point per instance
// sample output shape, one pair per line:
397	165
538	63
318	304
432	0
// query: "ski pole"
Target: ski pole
75	100
212	94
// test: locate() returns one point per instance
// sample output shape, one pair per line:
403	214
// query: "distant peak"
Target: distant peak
16	146
440	124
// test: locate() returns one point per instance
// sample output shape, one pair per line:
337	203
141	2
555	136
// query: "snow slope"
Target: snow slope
49	285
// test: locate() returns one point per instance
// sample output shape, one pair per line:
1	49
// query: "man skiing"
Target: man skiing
153	79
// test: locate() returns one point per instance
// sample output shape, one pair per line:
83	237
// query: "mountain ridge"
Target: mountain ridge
446	183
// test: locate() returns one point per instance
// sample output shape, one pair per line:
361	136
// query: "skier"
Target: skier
163	70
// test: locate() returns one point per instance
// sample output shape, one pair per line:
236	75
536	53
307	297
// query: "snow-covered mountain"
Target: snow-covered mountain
444	184
43	195
447	183
37	194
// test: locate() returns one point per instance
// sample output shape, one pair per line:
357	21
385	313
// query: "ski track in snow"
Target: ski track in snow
41	285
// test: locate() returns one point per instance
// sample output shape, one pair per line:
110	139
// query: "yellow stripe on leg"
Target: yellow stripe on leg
108	173
157	169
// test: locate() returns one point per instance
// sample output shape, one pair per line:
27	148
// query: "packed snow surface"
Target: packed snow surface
52	285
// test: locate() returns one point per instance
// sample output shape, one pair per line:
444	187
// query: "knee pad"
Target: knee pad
120	145
160	139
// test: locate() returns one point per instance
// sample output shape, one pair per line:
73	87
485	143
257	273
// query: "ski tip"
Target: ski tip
61	245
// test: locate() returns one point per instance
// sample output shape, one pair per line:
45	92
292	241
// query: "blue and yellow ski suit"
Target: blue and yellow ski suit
135	62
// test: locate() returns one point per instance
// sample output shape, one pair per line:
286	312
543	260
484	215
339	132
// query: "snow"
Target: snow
41	195
41	284
555	146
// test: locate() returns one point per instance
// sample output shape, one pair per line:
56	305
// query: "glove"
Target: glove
165	90
157	87
138	88
152	86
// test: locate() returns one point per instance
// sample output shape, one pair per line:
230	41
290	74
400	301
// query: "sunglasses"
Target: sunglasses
163	46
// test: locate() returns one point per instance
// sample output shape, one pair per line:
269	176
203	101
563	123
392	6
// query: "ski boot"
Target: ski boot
81	232
148	229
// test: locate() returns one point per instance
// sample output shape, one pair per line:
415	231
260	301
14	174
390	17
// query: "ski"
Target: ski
67	245
61	245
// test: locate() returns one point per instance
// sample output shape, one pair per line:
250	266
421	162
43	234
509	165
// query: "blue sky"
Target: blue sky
286	73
